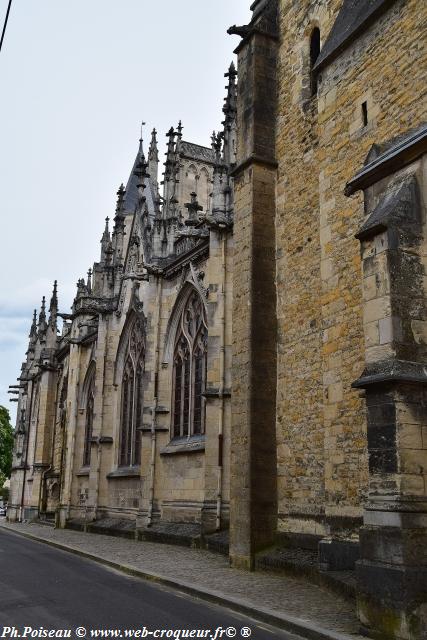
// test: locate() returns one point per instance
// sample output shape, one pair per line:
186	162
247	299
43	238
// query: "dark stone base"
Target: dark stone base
219	542
107	526
76	525
392	600
307	541
338	555
113	527
304	562
30	513
179	533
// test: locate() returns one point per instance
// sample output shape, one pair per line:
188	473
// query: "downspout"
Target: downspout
154	407
221	386
27	444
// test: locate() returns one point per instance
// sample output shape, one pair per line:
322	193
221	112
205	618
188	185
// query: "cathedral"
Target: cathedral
248	357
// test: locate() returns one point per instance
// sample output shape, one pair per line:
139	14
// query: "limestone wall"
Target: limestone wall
321	142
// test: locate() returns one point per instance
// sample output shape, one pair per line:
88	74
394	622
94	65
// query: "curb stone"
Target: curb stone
307	630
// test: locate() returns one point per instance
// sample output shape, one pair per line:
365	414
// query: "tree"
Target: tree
6	445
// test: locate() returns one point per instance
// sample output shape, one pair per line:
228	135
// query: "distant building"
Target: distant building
250	352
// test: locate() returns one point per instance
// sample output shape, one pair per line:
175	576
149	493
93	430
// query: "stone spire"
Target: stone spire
132	193
120	209
170	173
53	307
33	330
224	145
42	325
119	223
105	240
170	210
32	337
230	112
89	281
153	159
179	130
170	157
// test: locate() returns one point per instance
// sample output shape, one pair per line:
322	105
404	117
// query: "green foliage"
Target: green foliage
6	445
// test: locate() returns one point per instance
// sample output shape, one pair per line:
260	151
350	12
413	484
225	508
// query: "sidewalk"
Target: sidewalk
291	603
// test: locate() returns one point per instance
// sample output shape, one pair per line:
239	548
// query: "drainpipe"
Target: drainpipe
221	385
154	407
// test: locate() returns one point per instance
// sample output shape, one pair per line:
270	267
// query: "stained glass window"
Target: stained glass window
132	398
189	373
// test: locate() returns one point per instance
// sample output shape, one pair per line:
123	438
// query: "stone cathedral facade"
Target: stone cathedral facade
250	352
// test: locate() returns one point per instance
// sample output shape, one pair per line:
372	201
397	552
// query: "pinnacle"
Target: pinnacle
232	73
120	199
54	298
33	329
42	315
89	281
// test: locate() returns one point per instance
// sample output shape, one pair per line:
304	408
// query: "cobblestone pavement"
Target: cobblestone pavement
206	570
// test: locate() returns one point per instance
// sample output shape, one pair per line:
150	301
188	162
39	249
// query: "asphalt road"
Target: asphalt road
44	587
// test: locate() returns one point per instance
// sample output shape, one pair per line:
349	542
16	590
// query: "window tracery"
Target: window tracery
90	400
189	371
132	397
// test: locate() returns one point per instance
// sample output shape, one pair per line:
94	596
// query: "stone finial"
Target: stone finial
153	143
141	140
179	129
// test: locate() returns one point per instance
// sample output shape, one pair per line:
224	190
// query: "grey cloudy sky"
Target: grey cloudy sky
76	79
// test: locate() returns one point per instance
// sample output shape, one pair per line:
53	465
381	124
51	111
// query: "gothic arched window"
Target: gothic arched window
189	371
90	398
132	398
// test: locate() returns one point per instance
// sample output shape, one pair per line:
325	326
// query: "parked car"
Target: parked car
3	511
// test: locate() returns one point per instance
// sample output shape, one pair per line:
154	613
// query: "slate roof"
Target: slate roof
389	157
131	197
353	18
197	152
395	143
397	206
